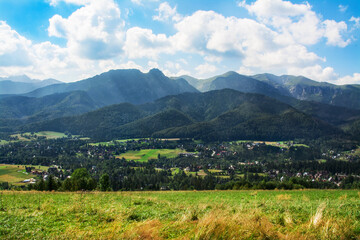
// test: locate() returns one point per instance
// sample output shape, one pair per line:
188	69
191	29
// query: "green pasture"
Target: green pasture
15	174
146	154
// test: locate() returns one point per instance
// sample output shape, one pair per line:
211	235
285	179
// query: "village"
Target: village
273	161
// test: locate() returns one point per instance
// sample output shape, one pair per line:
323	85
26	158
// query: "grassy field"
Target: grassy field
146	154
308	214
47	134
14	174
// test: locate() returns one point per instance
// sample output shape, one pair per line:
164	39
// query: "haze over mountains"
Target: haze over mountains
278	107
23	84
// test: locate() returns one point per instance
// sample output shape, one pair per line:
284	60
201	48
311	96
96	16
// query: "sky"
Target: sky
70	40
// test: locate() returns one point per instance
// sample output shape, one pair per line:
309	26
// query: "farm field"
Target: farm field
145	154
307	214
14	174
47	134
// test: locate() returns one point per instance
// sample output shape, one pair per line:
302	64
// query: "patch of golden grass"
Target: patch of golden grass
317	218
343	197
149	229
283	197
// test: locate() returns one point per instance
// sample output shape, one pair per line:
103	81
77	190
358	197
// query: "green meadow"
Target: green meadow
47	134
307	214
15	174
145	154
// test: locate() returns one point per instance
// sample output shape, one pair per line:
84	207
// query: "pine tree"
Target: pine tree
104	182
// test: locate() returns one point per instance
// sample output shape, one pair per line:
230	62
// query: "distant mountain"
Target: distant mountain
214	115
30	109
297	87
118	86
306	89
23	84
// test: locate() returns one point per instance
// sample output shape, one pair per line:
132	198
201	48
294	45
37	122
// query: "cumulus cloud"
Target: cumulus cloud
166	13
211	33
13	47
354	79
215	37
297	22
205	69
142	42
333	32
276	40
95	31
316	73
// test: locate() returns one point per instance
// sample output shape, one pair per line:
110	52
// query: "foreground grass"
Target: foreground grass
310	214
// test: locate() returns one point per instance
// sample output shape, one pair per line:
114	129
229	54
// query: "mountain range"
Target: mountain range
215	115
116	86
23	84
150	104
292	86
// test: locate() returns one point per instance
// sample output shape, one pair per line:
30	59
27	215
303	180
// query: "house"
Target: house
29	169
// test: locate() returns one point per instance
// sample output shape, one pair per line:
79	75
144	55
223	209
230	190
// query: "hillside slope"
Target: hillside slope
215	115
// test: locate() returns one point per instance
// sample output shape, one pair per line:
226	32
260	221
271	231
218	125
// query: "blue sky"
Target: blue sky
73	39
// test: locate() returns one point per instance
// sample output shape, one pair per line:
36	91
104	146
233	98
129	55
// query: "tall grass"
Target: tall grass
310	214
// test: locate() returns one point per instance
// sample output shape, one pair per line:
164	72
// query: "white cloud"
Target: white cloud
245	71
211	33
141	2
142	43
95	31
333	33
276	41
354	79
76	2
176	73
343	8
356	21
13	47
316	73
283	58
267	10
166	13
216	37
297	22
152	64
205	69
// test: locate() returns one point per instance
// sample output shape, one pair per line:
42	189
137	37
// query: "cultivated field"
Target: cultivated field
146	154
15	174
308	214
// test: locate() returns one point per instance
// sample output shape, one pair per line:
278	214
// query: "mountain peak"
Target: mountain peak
19	78
156	72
